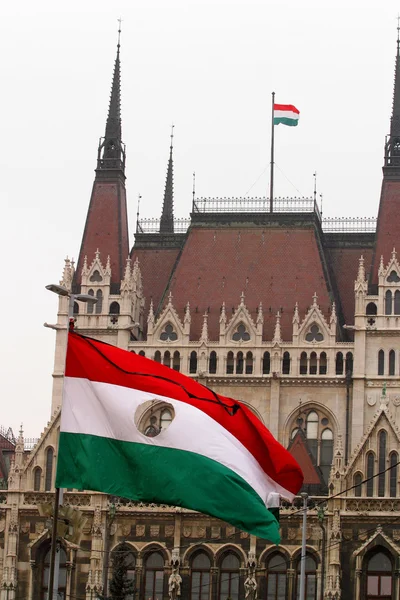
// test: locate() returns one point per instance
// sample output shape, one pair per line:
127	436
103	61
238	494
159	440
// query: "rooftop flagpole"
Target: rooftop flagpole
271	182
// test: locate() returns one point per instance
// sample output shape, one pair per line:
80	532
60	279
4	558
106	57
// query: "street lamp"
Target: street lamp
60	290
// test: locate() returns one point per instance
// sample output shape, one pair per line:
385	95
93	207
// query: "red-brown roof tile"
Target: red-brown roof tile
156	266
388	229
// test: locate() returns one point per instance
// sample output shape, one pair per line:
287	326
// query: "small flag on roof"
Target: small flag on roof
287	114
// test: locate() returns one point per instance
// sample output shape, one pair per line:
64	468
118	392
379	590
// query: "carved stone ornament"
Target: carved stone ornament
215	532
396	535
154	530
169	530
396	400
39	527
25	527
174	583
362	534
187	532
125	530
292	533
140	530
244	535
230	531
113	529
201	532
371	399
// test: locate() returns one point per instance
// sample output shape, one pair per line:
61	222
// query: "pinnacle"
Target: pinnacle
167	216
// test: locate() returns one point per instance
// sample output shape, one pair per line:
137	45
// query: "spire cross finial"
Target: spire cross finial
119	31
398	35
172	135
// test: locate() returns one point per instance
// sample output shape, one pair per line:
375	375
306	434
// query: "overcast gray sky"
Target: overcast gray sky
209	66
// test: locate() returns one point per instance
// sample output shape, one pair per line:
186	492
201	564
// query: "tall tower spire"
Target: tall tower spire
167	216
111	153
106	225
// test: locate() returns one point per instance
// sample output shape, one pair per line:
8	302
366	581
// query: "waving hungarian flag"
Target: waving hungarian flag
287	114
215	456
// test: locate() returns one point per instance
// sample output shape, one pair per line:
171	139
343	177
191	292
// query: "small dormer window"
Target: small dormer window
168	335
314	335
393	277
241	335
96	277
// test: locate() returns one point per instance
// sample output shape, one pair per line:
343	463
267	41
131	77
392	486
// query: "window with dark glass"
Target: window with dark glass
167	358
397	302
142	353
357	483
49	469
286	363
311	578
370	474
200	577
130	563
193	362
114	308
241	335
371	309
394	459
99	303
326	453
392	362
313	363
229	577
90	305
154	576
229	363
62	575
239	363
312	433
276	577
76	308
303	363
168	335
176	361
266	363
37	476
157	356
379	577
323	365
212	366
249	363
382	438
339	363
381	362
388	303
349	363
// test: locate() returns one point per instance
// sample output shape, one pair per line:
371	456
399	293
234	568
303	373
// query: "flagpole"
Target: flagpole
271	180
302	595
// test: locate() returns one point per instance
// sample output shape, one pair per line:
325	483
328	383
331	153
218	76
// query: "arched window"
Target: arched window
76	308
392	362
381	362
90	305
323	365
167	358
122	556
229	577
154	576
200	577
313	363
371	309
312	433
212	365
379	577
276	577
326	453
49	469
157	356
339	363
99	303
176	362
286	363
303	363
239	363
114	308
388	303
349	363
358	486
397	302
229	363
394	459
249	363
266	363
62	575
311	578
382	439
370	474
165	419
142	353
37	478
193	362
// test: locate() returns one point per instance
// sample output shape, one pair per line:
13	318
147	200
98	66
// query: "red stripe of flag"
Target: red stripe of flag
286	107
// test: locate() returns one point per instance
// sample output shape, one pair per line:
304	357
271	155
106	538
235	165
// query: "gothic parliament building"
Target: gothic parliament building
296	316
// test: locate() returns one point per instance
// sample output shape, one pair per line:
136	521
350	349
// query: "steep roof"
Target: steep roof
277	265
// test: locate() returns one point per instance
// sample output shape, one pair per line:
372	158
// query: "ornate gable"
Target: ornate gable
391	274
37	457
241	328
168	328
96	275
314	329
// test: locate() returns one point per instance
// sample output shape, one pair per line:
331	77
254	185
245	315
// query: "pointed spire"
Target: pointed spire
167	216
204	329
222	318
361	270
111	153
127	274
150	318
381	269
242	299
187	317
260	316
315	298
296	316
394	254
277	333
333	319
392	153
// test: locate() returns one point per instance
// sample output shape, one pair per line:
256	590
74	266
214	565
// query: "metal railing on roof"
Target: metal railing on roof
153	225
254	205
349	224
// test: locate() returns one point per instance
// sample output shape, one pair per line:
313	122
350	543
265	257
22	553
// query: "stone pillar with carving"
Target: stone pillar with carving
175	580
250	583
332	586
94	584
9	580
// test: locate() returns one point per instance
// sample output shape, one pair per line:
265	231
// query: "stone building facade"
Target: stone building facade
296	316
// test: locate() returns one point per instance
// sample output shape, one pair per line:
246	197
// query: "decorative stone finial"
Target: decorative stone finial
277	333
150	318
260	316
204	329
296	316
187	318
222	318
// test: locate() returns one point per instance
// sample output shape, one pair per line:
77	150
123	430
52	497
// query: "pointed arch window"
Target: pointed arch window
154	576
311	578
303	363
349	363
249	363
397	302
379	576
286	363
388	302
167	358
142	353
323	365
312	433
157	356
239	363
90	305
123	552
176	361
339	363
392	362
212	365
76	308
382	440
326	452
229	577
276	569
49	469
370	474
96	277
381	362
313	363
99	303
266	363
358	485
229	363
200	577
394	459
193	362
37	478
62	575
